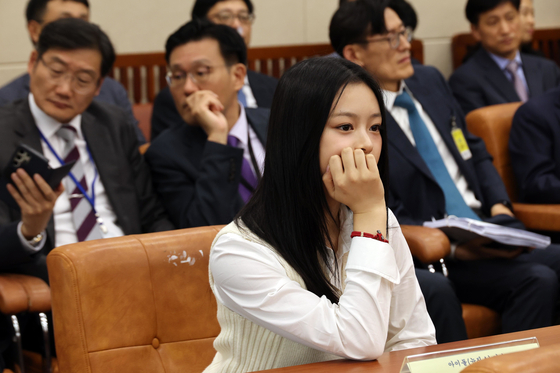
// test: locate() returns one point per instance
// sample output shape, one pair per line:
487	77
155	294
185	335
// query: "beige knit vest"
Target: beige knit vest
243	346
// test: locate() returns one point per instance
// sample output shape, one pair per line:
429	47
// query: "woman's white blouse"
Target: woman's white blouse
381	307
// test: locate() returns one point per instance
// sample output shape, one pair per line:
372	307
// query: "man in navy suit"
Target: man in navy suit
498	72
41	12
258	89
422	114
205	171
534	146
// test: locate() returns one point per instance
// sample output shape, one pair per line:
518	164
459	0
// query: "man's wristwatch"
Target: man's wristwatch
35	240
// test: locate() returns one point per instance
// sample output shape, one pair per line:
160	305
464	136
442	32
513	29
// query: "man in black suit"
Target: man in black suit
41	12
498	72
59	119
534	146
205	171
423	115
258	89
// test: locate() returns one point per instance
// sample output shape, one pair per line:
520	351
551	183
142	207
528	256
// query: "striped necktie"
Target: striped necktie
520	88
248	179
454	202
83	214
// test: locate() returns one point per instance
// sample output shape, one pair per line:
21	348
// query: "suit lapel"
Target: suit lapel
256	88
258	120
532	76
440	114
98	139
402	144
495	76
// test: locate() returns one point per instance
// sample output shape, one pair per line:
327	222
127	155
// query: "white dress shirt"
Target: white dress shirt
381	307
401	117
242	130
65	232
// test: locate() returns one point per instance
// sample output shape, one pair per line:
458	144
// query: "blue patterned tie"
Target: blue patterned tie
454	202
241	97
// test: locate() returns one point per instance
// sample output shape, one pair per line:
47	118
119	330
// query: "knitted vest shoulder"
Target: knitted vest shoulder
243	346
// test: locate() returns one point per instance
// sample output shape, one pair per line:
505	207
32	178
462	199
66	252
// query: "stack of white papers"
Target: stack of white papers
465	229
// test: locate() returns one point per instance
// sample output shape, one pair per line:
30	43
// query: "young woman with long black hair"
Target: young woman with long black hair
291	284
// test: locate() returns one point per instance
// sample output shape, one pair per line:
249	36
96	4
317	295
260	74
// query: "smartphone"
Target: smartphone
33	162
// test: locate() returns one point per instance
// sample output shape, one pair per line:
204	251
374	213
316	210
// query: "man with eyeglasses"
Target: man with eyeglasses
438	169
499	72
109	192
258	89
205	171
39	13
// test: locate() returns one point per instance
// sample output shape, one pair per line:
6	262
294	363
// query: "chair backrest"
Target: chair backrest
138	303
143	113
548	42
273	61
493	124
461	44
143	75
545	40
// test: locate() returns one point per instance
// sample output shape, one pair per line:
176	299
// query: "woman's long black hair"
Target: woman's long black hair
289	208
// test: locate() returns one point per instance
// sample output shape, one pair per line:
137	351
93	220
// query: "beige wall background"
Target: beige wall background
137	26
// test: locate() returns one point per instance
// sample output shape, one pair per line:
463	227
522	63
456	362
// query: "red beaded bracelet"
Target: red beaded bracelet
378	236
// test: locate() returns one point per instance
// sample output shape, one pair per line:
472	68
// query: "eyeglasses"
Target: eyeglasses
81	82
226	17
199	75
394	39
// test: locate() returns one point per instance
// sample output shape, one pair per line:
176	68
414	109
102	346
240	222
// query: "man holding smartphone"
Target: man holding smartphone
109	192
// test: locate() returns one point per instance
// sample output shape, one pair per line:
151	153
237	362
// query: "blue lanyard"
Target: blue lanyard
91	199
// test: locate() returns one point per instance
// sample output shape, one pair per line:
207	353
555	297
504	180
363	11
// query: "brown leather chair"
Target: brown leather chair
539	360
493	124
138	303
21	293
431	245
143	114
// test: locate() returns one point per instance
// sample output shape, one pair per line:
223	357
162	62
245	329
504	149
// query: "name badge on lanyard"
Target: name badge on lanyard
460	141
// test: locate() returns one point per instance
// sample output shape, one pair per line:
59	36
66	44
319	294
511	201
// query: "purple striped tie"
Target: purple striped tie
246	173
83	215
520	88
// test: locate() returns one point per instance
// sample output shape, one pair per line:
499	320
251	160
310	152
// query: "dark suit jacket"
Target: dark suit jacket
165	114
479	82
414	195
123	171
198	180
112	92
534	145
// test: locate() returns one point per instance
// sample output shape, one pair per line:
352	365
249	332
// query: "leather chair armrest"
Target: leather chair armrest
538	217
539	360
20	293
426	244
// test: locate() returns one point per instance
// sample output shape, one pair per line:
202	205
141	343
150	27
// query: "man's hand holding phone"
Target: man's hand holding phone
36	200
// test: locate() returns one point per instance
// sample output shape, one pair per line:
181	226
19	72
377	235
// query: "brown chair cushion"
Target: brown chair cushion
21	293
539	360
481	321
493	124
427	244
135	303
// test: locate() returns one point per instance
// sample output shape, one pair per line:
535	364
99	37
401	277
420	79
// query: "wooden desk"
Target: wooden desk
391	362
